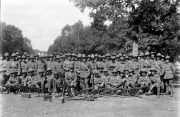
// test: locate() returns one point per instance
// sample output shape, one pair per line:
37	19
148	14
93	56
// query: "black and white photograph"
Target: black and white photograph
89	58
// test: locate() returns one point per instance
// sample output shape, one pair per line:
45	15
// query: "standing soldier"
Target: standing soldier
32	64
168	70
41	65
6	64
146	63
50	62
24	65
15	65
59	66
49	77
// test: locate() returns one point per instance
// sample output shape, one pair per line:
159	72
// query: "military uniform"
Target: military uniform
168	71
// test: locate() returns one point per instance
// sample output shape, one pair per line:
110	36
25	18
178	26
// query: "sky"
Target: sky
41	20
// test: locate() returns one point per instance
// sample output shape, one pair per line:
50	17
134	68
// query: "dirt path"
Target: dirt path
147	106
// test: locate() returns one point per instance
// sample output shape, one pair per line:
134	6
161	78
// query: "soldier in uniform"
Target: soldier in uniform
32	64
23	77
41	64
57	82
50	62
15	65
41	79
131	79
146	63
156	81
115	81
6	64
99	82
143	80
59	66
49	77
168	71
24	65
31	79
14	80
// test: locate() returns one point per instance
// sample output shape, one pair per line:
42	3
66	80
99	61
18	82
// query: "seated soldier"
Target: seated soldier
131	79
14	80
156	81
143	80
115	80
56	81
41	78
49	77
105	76
31	79
71	78
98	80
23	77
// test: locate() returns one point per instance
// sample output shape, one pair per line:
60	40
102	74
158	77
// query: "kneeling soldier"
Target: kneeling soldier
23	77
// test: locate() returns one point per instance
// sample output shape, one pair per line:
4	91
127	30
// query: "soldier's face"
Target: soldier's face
158	58
7	58
167	60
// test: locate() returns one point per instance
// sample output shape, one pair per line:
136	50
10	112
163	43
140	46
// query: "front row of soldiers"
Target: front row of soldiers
82	72
117	79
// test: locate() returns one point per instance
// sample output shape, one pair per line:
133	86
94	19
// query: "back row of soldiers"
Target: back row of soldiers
113	71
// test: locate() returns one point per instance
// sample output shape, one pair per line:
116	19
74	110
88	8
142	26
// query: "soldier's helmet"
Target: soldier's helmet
50	55
113	57
31	56
24	71
36	55
146	53
96	55
107	55
130	54
13	55
30	70
122	58
79	56
13	72
158	55
25	53
40	71
57	57
55	72
120	54
83	56
92	56
143	71
153	69
23	57
17	53
114	71
167	57
6	54
141	54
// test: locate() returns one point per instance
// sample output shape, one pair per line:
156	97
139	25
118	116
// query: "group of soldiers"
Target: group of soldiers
82	72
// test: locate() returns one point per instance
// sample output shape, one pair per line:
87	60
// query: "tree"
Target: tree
13	41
